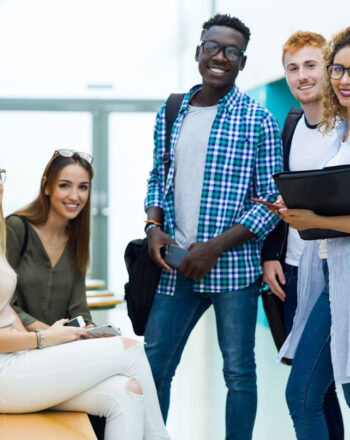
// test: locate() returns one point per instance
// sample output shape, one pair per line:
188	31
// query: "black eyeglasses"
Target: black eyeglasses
70	153
2	176
336	71
212	48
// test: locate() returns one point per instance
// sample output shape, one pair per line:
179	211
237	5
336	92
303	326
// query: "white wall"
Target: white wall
57	48
140	48
272	22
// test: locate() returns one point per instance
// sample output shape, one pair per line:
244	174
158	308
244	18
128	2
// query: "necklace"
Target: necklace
52	244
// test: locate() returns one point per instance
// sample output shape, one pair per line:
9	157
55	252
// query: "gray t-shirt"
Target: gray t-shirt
190	157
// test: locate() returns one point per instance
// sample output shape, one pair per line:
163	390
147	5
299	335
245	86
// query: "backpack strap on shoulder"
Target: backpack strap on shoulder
26	233
172	108
293	116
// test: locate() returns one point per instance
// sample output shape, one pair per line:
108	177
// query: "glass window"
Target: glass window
98	48
130	161
28	140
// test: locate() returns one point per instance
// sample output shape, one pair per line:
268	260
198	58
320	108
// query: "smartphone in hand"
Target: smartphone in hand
104	329
176	255
76	322
263	202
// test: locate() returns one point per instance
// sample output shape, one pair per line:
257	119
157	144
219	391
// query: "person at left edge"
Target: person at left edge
224	149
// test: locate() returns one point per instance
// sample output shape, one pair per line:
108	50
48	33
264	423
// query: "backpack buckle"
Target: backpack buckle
166	158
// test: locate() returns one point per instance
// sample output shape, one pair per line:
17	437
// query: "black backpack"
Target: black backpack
144	274
273	306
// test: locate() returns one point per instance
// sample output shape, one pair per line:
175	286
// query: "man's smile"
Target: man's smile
306	86
217	69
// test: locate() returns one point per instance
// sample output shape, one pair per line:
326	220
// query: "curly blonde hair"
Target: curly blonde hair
332	111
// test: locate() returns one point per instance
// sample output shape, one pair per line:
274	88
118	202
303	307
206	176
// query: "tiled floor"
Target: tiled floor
198	392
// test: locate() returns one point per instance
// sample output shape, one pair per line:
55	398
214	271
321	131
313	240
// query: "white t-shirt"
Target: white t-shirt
308	150
190	158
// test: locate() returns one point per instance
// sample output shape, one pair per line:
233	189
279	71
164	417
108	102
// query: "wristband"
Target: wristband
40	334
153	222
37	338
150	226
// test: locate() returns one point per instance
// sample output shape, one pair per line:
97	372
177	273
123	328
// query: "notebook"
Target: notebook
325	191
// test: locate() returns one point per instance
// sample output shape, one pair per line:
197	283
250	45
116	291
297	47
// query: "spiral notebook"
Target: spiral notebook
325	191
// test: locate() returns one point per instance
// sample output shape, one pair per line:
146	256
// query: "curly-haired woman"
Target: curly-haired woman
319	343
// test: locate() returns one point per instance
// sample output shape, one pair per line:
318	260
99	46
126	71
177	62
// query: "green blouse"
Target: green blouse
43	292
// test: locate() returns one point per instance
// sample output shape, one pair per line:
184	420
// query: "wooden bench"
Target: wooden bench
46	425
92	284
102	299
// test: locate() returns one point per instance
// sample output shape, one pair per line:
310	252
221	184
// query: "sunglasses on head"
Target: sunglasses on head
2	176
70	153
212	48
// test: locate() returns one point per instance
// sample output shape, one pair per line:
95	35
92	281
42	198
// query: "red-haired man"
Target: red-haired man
304	148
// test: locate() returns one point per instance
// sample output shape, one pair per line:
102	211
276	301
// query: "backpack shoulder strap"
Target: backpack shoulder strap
293	116
172	108
26	233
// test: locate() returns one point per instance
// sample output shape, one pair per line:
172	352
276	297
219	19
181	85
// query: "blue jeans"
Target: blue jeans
169	325
331	406
312	376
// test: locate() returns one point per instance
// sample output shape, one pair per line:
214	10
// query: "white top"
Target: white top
311	283
308	150
341	158
8	280
190	158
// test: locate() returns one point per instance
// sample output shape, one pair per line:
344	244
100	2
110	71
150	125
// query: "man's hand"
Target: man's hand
201	259
274	276
156	240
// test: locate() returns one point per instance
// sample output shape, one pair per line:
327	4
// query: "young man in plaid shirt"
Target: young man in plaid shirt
224	149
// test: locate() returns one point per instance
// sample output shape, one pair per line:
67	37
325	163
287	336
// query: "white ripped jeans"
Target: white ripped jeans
91	376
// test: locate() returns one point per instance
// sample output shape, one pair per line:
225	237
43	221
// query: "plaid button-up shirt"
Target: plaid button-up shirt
244	151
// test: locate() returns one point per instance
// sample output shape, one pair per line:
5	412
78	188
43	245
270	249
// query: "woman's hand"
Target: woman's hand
279	205
59	334
299	219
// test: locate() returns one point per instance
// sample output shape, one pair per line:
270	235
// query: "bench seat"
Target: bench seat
98	299
46	425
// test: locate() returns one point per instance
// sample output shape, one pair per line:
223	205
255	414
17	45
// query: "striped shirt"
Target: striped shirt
244	151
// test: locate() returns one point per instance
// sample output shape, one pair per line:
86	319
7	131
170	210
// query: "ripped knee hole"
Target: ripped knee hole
134	387
129	343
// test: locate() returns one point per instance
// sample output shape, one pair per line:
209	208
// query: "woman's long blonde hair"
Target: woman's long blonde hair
332	111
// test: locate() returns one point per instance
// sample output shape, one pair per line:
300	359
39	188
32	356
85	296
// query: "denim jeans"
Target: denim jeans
169	325
312	376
